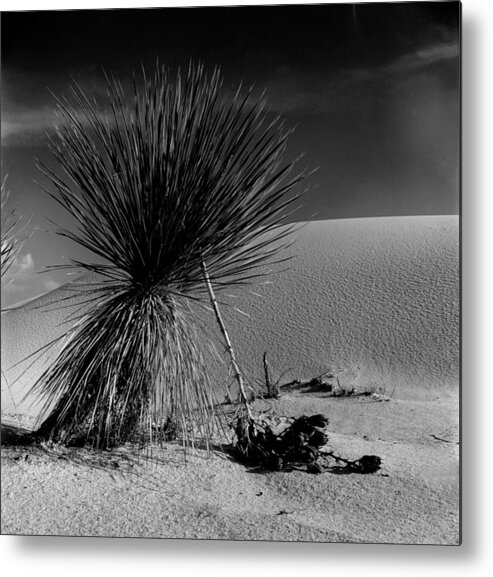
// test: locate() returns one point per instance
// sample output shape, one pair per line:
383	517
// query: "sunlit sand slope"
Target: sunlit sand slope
376	297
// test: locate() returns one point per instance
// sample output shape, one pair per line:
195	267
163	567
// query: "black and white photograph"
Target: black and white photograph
231	290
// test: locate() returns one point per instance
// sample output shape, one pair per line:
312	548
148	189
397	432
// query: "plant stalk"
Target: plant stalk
267	375
229	346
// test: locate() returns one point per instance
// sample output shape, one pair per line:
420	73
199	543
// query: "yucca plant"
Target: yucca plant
179	189
10	238
13	237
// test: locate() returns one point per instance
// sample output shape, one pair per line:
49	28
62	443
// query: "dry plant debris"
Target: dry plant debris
281	444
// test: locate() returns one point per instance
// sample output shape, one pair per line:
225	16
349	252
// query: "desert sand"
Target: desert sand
377	299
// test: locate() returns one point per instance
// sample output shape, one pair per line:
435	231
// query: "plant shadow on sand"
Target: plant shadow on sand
15	436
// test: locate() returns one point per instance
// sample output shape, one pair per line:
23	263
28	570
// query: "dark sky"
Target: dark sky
372	88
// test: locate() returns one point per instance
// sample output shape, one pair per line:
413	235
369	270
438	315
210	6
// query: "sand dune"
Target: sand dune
378	298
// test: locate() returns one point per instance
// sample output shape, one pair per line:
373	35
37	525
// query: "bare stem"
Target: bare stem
272	388
229	346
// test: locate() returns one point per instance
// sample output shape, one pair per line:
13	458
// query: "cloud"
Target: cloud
26	126
29	124
20	273
29	109
294	91
22	282
24	264
416	60
289	90
50	284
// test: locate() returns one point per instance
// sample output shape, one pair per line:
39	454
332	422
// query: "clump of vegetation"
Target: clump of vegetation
284	445
298	441
12	238
329	384
11	241
178	191
272	390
